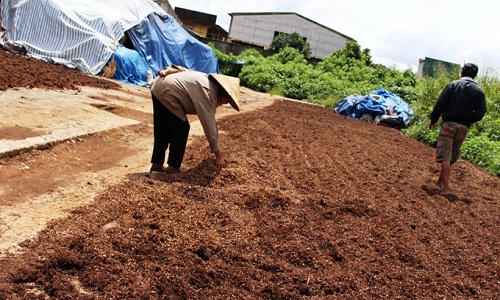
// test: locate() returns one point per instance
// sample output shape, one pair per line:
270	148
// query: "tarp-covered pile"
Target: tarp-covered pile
379	106
84	35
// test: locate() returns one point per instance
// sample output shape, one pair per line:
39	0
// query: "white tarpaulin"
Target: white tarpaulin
78	34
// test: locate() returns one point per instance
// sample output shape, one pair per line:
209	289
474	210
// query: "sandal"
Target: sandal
157	169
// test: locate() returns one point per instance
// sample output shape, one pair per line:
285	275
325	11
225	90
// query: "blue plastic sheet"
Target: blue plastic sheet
355	106
161	41
130	67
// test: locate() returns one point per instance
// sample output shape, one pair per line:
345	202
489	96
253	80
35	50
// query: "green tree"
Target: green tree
353	53
293	40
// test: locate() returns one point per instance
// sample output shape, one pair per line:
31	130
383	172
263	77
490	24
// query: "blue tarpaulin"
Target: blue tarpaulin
130	67
376	103
161	41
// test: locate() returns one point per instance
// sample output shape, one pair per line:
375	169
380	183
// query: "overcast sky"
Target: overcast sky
397	32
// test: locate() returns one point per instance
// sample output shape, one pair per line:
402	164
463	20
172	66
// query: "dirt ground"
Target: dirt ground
311	205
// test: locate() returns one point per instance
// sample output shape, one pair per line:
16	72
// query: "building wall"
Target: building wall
201	30
259	29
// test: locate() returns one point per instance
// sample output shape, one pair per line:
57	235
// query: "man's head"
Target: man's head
469	70
224	97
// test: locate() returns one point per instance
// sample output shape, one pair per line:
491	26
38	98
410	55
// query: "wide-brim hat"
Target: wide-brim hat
232	87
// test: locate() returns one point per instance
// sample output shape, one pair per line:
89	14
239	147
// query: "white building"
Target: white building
261	28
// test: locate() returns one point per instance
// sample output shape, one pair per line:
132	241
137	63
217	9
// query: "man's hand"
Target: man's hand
219	160
431	126
163	73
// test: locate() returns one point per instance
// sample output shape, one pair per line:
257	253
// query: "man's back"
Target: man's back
462	101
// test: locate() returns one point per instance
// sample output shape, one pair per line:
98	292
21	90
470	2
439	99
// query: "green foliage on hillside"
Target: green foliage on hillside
351	71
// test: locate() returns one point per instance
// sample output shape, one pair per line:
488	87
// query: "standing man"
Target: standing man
461	103
177	92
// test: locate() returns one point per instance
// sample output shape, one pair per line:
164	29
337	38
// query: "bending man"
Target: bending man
177	92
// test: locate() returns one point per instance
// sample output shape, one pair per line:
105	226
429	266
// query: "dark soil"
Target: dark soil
20	71
311	205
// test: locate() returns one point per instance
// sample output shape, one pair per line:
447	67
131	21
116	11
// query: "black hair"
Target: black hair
220	91
469	70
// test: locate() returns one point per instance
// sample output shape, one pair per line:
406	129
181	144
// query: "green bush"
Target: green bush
288	55
251	57
483	152
259	77
420	131
489	127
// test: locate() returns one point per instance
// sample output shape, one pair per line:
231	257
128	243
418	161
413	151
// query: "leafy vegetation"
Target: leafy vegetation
293	40
351	71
